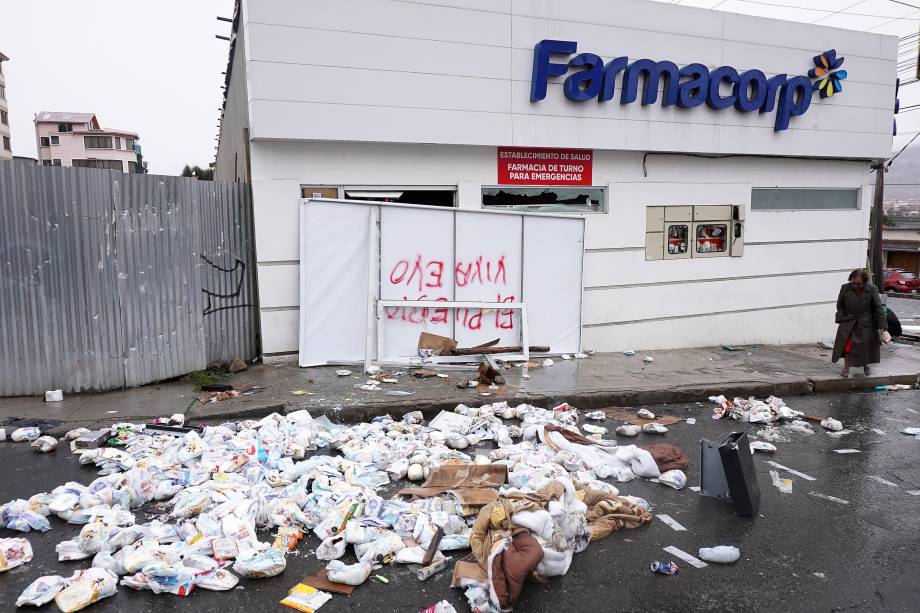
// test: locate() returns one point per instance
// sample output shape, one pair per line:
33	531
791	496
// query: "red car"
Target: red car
900	280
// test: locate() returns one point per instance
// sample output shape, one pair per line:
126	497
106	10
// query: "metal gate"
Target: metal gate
111	280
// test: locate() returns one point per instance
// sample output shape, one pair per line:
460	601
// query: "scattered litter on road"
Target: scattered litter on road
343	373
648	359
691	421
847	451
440	607
565	356
911	431
790	471
596	415
298	392
840	433
831	498
54	396
654	429
629	353
45	444
629	430
831	424
14	552
881	432
580	356
913	492
667	519
694	488
819	575
882	480
665	568
22	435
674	478
762	446
722	554
305	598
730	348
686	557
645	414
783	485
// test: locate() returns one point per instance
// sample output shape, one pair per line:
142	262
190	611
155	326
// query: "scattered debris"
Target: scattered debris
910	430
690	421
343	372
648	359
596	415
629	430
54	396
881	432
14	552
730	348
645	414
762	446
783	485
790	471
847	451
654	428
722	554
45	444
305	598
629	353
832	424
665	568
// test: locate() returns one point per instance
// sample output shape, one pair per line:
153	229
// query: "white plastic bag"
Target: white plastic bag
674	478
629	430
353	574
45	444
654	428
332	548
91	585
723	554
41	591
260	564
829	423
25	434
14	552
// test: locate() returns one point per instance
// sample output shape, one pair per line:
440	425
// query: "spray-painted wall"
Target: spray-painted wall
110	280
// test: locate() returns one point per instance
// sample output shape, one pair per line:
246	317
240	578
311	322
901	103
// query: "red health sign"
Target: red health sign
533	166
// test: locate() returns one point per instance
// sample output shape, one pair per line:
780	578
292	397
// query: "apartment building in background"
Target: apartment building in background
77	139
6	150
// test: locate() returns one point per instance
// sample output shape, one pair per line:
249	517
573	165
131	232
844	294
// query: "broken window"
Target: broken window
545	199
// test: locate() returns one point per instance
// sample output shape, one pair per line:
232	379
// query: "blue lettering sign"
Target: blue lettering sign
589	78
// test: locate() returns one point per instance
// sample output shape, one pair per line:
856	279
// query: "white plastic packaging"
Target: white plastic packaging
831	424
54	396
41	591
332	548
349	574
645	414
596	415
45	444
783	485
654	428
93	585
722	554
21	435
260	564
674	478
629	430
14	552
762	446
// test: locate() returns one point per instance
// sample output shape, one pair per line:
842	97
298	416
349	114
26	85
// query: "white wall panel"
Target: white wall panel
404	19
279	285
802	324
278	43
297	82
606	268
675	300
277	219
409	91
280	330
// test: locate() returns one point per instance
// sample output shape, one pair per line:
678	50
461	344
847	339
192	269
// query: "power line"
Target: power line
891	161
828	11
913	6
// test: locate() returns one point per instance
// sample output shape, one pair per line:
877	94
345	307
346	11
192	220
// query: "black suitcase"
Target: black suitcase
727	471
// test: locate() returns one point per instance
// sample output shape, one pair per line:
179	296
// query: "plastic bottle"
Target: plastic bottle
433	568
723	554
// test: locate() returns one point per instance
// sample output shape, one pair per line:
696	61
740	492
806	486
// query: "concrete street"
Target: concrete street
800	553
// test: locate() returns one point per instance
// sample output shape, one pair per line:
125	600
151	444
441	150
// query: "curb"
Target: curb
597	399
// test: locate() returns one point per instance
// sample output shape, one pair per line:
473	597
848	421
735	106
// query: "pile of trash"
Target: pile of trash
533	501
753	411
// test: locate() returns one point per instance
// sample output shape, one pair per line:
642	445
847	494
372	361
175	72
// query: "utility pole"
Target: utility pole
875	244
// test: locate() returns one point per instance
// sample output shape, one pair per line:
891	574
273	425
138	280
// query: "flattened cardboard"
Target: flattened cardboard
460	478
321	582
441	345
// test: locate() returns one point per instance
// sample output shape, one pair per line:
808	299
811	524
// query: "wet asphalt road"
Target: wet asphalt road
866	550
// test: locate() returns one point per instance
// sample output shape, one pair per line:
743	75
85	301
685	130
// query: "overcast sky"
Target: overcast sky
154	66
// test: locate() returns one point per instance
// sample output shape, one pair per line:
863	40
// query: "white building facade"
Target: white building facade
726	203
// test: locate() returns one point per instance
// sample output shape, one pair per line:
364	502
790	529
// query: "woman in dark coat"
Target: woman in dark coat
861	318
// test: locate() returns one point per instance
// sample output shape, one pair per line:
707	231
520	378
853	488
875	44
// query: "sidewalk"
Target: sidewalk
603	380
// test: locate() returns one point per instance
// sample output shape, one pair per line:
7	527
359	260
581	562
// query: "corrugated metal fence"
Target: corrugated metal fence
110	280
